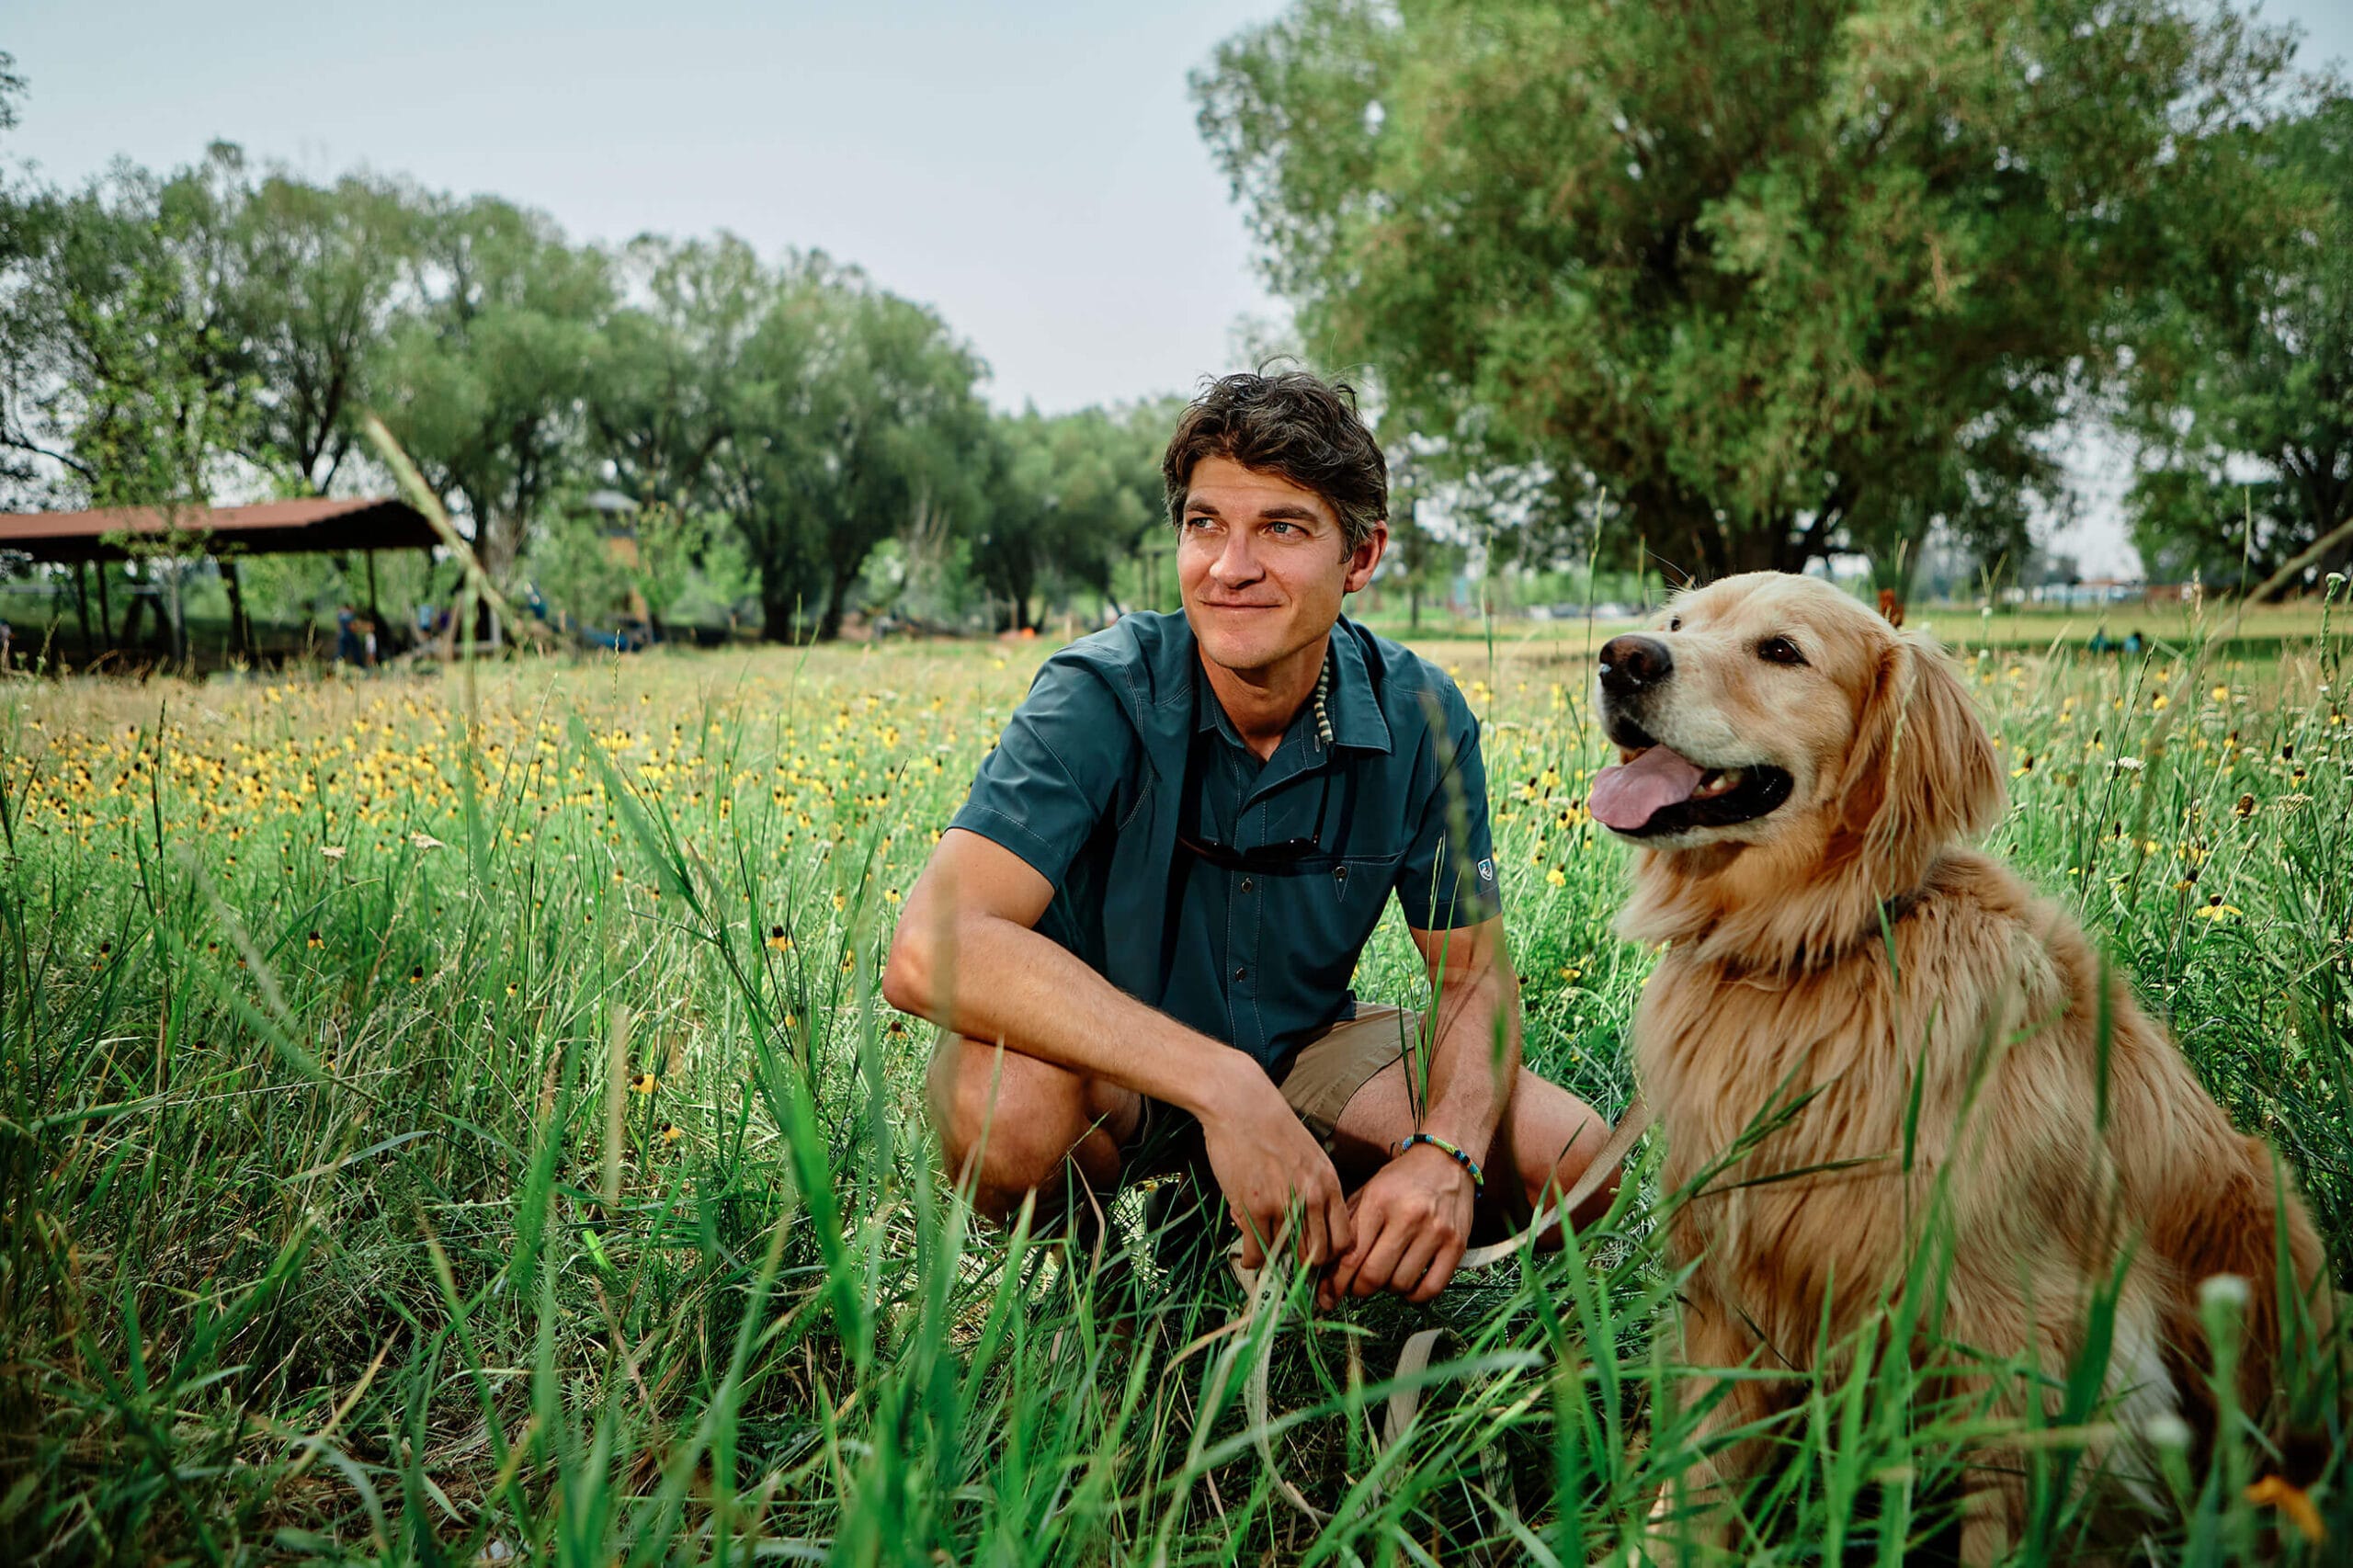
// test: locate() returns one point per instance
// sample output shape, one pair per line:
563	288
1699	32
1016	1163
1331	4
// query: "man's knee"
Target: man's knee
1557	1137
1009	1125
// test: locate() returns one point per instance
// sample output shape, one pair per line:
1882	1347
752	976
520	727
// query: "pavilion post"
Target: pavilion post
241	635
82	609
375	612
106	612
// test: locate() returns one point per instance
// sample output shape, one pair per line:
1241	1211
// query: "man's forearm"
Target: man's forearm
1469	1080
992	978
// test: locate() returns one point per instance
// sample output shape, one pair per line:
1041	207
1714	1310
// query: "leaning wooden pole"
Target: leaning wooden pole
477	585
2279	580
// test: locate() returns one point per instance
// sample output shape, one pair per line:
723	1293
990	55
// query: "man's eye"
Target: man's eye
1780	651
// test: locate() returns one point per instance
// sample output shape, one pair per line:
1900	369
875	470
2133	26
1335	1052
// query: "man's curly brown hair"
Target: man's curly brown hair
1291	424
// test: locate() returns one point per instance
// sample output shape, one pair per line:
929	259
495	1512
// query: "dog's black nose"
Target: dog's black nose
1631	662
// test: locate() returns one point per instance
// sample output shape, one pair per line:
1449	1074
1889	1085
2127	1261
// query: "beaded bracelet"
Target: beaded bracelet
1477	1178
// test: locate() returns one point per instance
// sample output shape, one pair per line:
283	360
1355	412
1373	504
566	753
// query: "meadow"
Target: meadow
452	1119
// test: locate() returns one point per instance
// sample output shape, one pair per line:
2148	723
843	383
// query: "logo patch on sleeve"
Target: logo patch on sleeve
1487	870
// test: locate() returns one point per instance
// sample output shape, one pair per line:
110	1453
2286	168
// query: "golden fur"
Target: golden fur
1776	985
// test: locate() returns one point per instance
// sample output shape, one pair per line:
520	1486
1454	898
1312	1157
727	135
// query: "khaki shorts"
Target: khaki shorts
1325	1075
1317	1081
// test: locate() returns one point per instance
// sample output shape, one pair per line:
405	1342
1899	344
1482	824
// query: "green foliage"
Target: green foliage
668	387
2241	392
116	360
1736	285
319	270
484	383
886	430
203	337
687	569
1069	497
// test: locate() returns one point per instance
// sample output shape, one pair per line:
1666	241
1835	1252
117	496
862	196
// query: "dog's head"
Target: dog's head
1770	709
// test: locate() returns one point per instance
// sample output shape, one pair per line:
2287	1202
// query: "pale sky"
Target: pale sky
1030	170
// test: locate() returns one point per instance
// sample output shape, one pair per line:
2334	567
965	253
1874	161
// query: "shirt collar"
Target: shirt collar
1354	709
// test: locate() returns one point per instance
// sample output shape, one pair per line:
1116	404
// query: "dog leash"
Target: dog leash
1266	1287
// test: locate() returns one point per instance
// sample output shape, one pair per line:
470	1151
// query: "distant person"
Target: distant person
347	646
1157	892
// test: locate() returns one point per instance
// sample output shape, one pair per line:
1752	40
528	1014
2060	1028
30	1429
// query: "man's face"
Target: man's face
1263	564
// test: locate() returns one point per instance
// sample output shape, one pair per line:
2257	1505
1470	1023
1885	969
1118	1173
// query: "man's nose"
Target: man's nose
1237	562
1631	662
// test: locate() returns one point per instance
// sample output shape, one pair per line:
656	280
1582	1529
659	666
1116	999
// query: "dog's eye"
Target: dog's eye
1780	651
1674	623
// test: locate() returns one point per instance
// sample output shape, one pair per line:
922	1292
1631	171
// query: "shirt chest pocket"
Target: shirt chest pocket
1362	882
1323	916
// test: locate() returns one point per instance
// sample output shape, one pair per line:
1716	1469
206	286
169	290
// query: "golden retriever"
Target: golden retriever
1802	782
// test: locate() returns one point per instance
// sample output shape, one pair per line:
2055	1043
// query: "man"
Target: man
1156	894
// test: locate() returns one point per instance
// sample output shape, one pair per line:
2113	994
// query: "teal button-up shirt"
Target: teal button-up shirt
1122	756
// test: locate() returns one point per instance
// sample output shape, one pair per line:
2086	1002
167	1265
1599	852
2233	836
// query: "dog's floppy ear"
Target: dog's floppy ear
1923	772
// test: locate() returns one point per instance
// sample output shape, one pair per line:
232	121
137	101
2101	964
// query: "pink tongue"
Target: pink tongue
1629	795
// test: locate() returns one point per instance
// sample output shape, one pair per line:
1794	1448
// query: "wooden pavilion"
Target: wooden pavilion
347	526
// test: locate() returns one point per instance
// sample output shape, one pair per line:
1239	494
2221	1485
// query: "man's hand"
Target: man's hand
1412	1224
1264	1162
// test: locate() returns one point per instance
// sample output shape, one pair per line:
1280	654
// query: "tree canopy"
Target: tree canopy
211	333
2240	391
1741	283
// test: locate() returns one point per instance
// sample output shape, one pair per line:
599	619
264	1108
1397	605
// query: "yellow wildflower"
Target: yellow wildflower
2279	1493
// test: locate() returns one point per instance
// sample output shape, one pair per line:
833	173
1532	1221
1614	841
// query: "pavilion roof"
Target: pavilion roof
270	528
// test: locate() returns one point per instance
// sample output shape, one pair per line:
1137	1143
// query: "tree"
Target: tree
19	203
2241	394
1418	559
900	412
1750	272
485	384
1068	497
123	375
856	418
661	403
319	272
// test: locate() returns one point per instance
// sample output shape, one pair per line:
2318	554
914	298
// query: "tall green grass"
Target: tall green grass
451	1129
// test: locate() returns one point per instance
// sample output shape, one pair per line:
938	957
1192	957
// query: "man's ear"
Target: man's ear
1923	773
1365	557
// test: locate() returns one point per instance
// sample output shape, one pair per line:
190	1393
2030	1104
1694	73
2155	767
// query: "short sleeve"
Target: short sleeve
1054	772
1448	877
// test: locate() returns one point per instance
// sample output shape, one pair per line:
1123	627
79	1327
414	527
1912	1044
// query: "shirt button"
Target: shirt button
1245	884
1243	972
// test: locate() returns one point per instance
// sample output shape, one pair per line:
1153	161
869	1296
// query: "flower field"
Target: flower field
452	1119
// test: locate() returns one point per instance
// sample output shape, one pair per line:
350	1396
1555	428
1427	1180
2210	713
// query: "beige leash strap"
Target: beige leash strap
1266	1287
